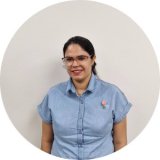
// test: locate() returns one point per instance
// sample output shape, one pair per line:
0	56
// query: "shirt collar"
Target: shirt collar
91	86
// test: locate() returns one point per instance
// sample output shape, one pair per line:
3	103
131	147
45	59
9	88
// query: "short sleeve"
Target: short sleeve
121	106
44	110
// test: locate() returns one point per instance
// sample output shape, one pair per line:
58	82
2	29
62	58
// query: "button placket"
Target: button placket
80	128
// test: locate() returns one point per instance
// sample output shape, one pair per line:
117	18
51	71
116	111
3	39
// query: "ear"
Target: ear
93	59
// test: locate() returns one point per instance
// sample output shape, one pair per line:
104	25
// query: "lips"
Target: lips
76	72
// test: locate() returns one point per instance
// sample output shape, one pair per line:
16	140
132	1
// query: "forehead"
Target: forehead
75	50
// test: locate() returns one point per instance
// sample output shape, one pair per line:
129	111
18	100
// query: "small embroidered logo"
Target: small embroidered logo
104	103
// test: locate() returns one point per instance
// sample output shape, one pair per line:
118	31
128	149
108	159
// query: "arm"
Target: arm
120	134
47	137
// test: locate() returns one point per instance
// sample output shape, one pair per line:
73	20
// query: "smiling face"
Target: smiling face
79	70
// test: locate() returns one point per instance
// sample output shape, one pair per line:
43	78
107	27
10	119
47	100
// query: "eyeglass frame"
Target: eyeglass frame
75	58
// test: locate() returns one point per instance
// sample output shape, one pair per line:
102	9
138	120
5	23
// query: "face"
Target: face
79	70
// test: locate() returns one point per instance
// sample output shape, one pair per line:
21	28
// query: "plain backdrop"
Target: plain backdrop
32	62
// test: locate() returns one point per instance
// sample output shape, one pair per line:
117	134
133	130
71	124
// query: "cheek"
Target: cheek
69	72
88	68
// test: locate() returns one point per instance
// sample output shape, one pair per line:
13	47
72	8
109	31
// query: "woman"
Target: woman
85	117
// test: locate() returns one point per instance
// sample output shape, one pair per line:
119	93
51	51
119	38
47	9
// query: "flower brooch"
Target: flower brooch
103	103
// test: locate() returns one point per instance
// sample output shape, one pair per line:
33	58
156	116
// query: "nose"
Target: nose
75	63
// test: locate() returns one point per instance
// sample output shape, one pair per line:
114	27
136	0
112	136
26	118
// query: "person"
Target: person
85	117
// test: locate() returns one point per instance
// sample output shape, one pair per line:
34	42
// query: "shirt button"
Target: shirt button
80	131
79	145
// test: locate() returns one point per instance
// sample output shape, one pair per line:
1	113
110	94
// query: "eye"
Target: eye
69	59
81	58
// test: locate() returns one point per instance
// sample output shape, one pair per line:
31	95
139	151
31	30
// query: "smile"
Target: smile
76	71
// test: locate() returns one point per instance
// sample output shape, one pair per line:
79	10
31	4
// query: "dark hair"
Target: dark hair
85	44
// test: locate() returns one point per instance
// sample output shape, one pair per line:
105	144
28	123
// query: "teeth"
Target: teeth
78	71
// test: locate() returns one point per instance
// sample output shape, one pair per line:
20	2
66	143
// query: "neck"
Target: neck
81	86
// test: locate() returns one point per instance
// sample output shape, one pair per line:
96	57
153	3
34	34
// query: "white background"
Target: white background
14	13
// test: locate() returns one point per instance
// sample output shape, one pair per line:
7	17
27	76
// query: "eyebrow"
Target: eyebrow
75	56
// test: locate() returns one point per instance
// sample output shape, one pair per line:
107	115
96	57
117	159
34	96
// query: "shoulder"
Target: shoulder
112	88
58	88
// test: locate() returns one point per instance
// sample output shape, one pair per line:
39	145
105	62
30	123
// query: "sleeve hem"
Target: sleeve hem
42	116
123	115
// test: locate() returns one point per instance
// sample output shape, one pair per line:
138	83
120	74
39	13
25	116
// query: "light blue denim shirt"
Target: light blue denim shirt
83	124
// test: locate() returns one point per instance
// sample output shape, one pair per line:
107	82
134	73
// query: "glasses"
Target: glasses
68	61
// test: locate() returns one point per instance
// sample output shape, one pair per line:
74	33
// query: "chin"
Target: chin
77	78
